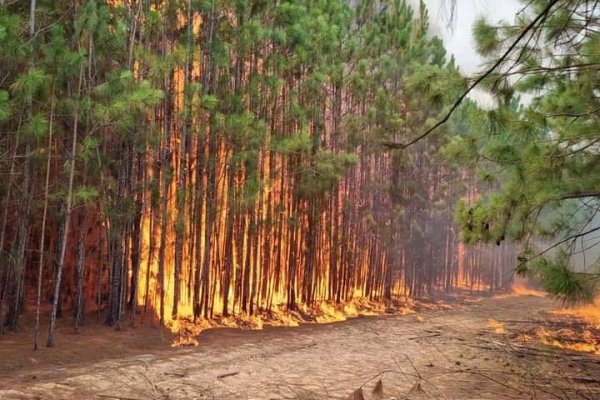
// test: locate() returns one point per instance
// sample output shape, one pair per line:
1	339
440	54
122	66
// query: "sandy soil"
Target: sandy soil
480	349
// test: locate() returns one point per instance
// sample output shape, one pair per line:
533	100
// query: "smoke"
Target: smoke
437	14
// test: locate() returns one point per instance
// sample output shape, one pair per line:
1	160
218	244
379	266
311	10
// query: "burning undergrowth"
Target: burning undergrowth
583	334
520	287
575	328
187	331
589	313
576	337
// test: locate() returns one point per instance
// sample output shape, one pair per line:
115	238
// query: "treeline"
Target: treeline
209	157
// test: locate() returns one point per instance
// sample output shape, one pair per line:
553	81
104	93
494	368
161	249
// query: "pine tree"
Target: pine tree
539	156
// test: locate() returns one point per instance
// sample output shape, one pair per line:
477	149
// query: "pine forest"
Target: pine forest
185	165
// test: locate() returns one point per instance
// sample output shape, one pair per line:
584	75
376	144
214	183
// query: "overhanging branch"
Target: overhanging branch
532	24
581	194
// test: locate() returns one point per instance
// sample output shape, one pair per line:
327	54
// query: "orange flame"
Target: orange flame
520	287
496	326
323	312
569	339
589	313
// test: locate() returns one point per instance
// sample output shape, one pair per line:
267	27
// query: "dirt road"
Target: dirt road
480	350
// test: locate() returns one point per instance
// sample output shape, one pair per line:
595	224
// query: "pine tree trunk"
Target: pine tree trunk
80	273
137	241
42	245
183	167
67	218
16	289
6	272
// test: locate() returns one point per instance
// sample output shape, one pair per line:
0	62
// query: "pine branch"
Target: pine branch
458	102
571	237
580	194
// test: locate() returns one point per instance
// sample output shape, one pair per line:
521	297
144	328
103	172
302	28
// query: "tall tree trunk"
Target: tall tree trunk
183	165
67	218
80	272
42	246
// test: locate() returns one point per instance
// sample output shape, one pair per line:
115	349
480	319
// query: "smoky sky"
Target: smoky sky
457	35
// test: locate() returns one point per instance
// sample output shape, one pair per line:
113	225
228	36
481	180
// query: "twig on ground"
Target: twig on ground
110	396
225	375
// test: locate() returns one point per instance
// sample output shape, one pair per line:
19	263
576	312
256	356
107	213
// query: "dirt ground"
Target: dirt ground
484	348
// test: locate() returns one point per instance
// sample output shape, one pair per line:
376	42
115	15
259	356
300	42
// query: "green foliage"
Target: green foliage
37	126
209	102
558	278
294	144
4	105
31	84
12	43
486	37
122	101
84	195
540	158
320	174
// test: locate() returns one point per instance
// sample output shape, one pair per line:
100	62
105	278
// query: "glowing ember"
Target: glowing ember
496	326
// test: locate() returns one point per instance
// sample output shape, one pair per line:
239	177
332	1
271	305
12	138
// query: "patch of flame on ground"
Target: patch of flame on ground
569	339
589	313
187	331
496	326
520	287
585	340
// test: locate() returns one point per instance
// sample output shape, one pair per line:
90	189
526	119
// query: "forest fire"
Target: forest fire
577	337
521	287
242	194
178	173
583	336
187	331
589	313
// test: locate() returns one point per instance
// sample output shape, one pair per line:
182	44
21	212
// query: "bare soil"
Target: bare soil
476	349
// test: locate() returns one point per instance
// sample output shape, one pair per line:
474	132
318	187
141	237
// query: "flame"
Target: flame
569	339
520	287
187	331
496	326
589	313
582	337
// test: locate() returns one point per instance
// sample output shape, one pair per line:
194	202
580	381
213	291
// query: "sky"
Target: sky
459	40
